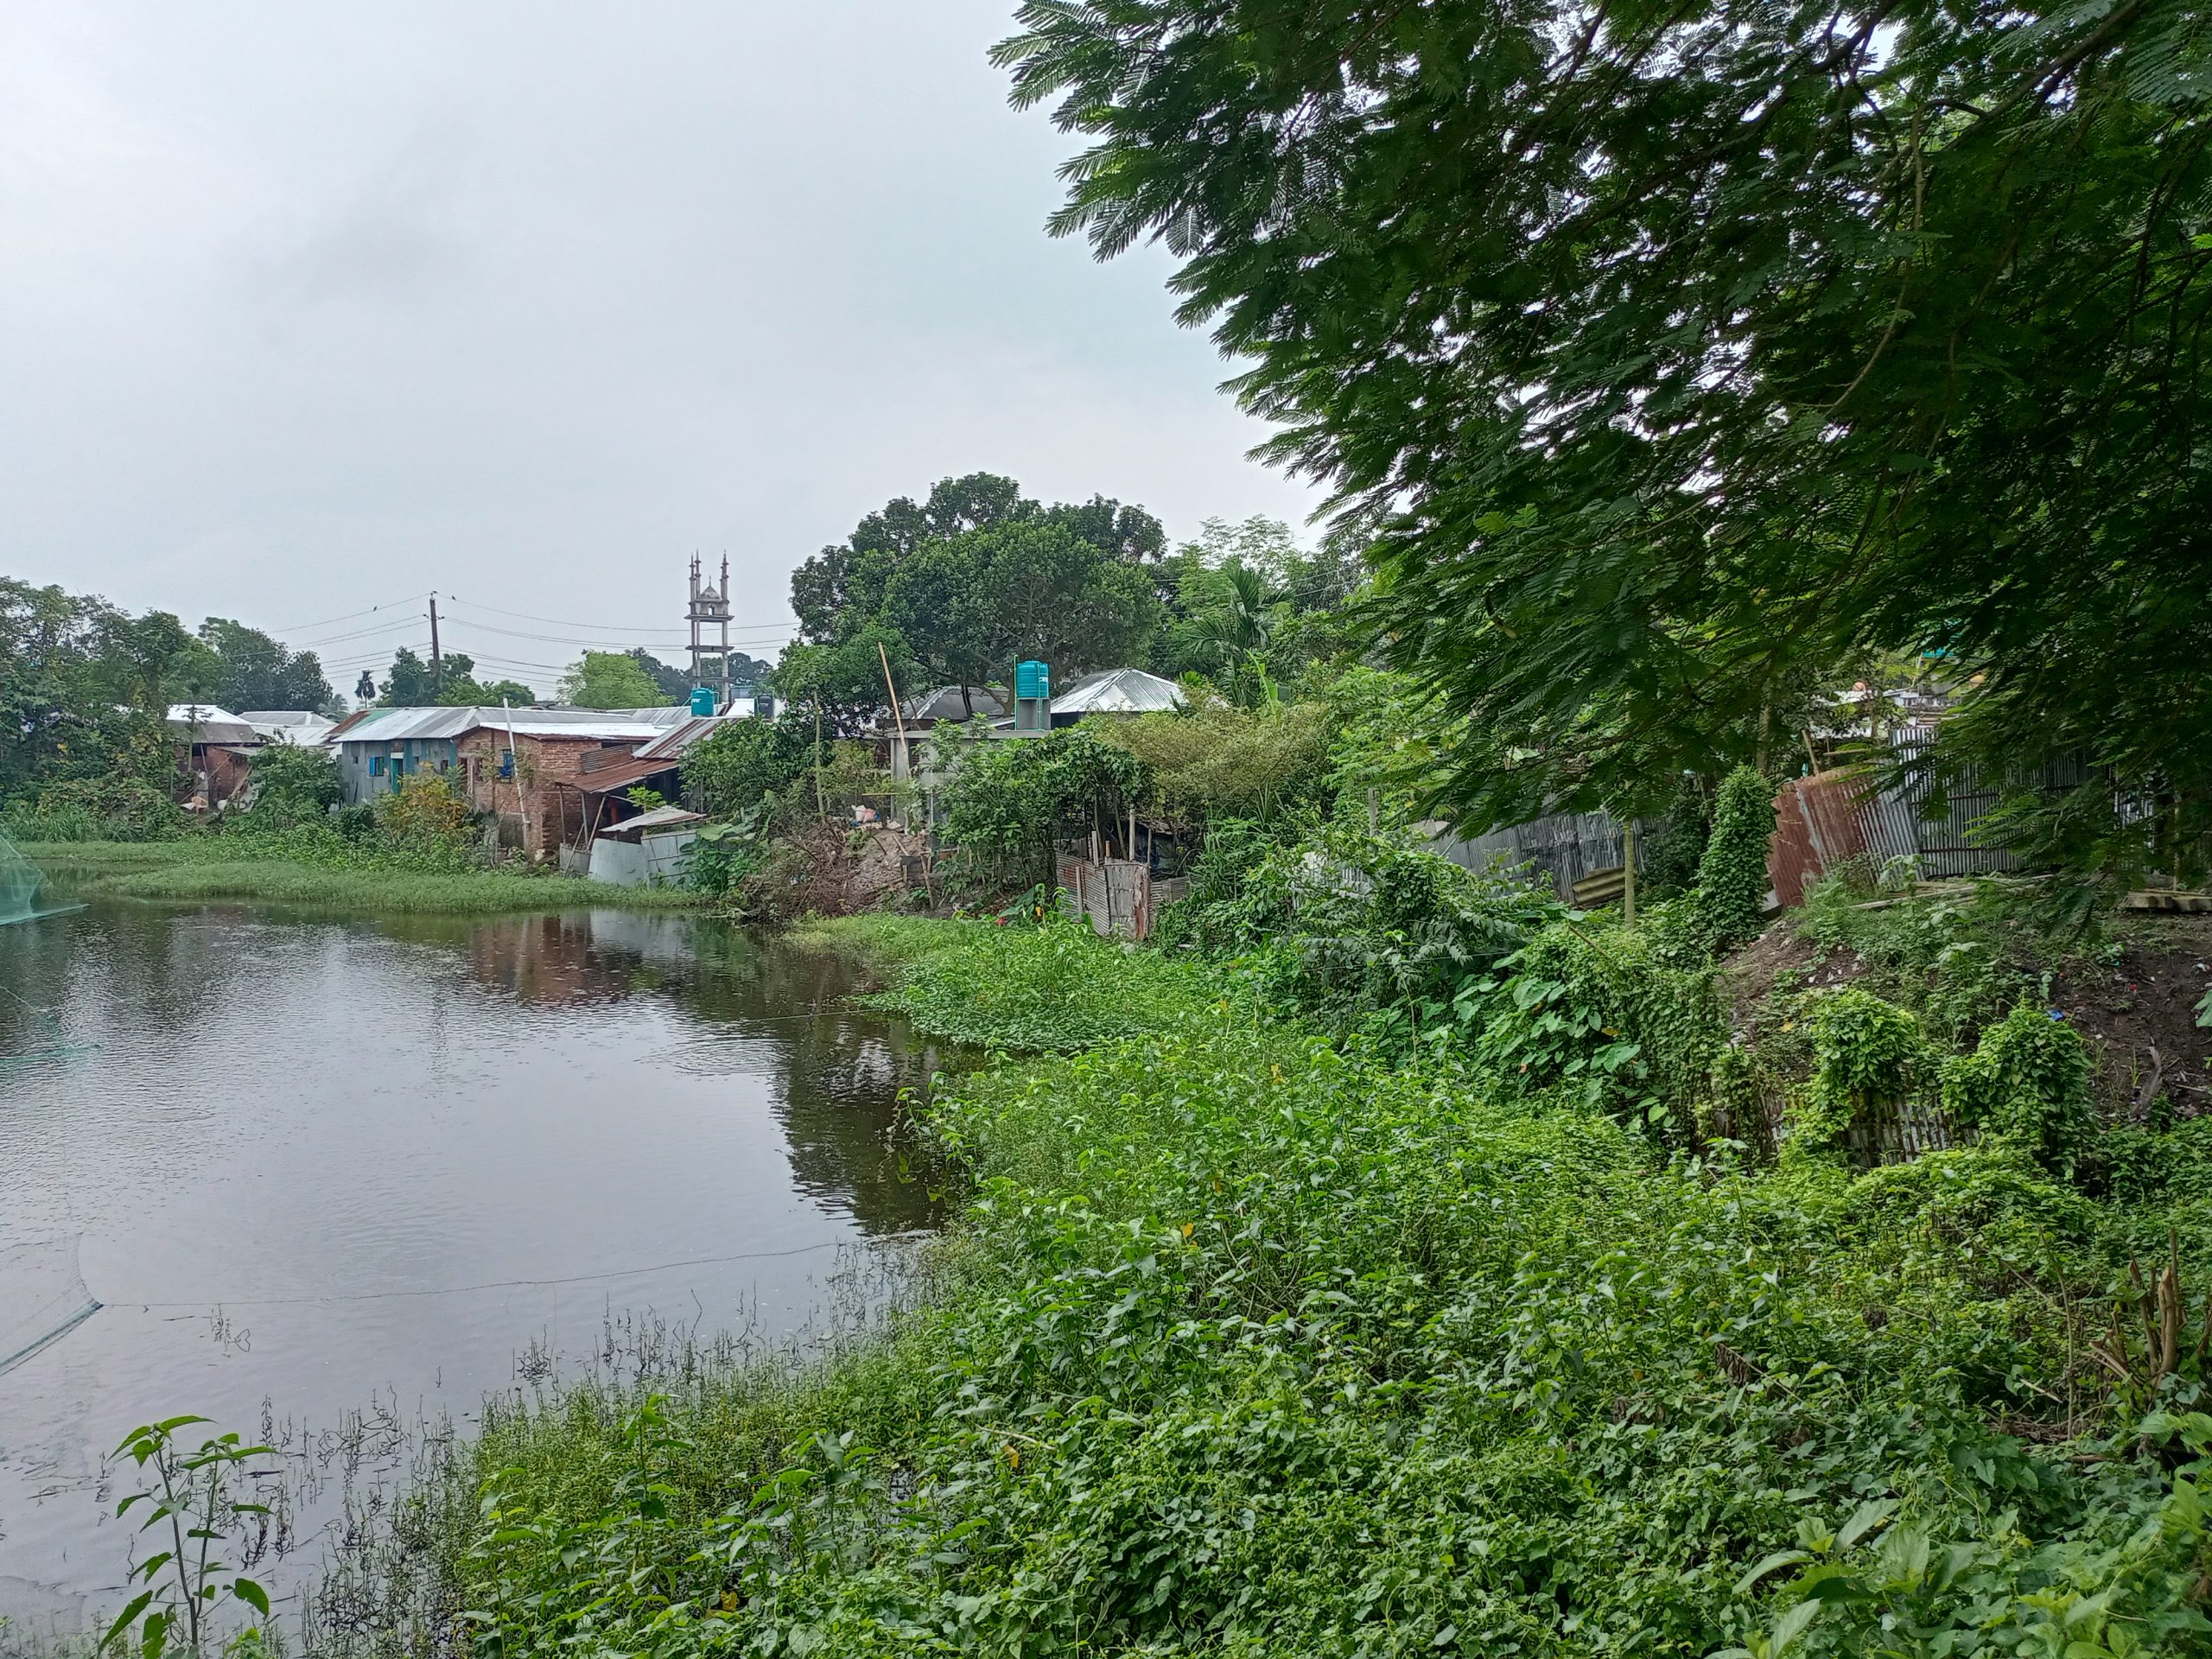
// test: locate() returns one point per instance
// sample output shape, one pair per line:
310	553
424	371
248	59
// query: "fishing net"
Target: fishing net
21	884
24	896
42	1298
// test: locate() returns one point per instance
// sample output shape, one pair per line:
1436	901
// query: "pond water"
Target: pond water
310	1166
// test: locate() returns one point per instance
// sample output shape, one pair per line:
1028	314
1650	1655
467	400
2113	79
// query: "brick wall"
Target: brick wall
552	813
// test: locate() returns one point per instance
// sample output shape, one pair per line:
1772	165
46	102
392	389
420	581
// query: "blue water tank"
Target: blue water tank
1032	680
702	700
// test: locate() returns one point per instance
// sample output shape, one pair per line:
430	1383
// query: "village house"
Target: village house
218	748
553	778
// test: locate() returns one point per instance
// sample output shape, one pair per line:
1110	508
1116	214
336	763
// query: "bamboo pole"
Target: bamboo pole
1628	875
898	718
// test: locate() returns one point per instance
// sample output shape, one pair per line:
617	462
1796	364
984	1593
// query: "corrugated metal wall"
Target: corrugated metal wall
1564	846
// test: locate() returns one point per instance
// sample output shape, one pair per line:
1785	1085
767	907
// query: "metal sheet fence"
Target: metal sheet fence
1562	848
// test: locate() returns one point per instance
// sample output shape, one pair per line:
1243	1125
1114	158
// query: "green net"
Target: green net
21	885
42	1298
34	1035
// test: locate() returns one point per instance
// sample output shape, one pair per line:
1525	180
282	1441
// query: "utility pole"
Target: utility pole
438	660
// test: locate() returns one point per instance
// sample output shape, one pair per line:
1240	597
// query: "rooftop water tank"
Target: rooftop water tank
1032	680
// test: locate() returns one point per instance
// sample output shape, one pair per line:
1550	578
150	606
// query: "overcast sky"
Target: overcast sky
305	309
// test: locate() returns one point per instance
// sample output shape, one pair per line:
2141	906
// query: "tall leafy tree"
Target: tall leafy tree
960	585
1675	355
259	672
410	684
610	679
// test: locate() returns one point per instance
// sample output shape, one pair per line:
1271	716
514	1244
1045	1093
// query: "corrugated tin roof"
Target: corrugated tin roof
402	725
945	703
661	818
287	725
676	742
1119	691
208	724
609	781
607	725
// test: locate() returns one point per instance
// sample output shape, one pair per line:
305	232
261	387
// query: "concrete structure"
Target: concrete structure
645	849
709	612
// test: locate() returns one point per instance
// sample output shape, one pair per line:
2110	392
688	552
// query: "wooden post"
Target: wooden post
1628	874
899	719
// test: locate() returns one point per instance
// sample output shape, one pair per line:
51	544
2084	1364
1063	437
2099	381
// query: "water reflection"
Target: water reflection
396	1153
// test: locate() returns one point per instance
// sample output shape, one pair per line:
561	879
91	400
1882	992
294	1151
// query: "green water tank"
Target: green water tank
1032	680
702	700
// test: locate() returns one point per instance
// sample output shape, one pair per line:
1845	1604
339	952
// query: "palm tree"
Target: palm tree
1234	627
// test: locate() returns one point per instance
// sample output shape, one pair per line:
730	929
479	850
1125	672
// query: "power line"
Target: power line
297	627
599	627
407	621
591	640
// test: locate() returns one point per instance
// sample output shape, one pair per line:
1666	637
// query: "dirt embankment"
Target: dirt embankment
2137	1009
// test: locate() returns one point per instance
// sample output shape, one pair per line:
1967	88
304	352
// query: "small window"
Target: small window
376	765
506	763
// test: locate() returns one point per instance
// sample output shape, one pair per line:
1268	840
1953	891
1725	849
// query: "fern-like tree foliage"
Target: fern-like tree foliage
1676	356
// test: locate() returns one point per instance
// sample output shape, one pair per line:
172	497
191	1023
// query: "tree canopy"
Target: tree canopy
959	586
1674	356
411	683
84	686
257	671
610	679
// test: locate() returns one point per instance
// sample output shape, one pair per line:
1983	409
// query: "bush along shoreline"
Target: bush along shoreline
1376	1279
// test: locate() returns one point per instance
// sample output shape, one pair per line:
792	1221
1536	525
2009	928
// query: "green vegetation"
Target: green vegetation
1287	1332
1030	988
611	679
1008	805
324	871
84	688
954	590
1676	366
410	682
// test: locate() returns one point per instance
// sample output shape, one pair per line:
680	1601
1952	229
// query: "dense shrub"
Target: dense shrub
1868	1056
1952	960
293	780
96	809
1031	987
742	762
2027	1084
1673	844
427	811
1732	874
1360	929
1217	761
1008	803
1599	1010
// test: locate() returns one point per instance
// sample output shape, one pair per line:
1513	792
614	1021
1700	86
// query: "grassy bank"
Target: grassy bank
1253	1340
1019	989
215	868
